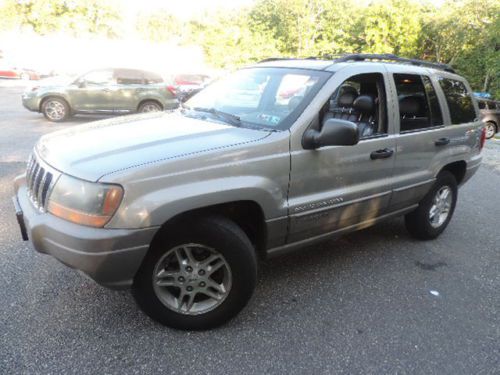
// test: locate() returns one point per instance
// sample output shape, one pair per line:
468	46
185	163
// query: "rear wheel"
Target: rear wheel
55	109
491	130
199	277
150	106
435	210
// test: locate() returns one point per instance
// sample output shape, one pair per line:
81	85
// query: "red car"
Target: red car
18	73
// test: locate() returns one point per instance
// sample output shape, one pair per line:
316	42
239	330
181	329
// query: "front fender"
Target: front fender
54	93
159	206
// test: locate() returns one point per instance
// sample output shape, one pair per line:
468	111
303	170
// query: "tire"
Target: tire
491	130
55	109
150	106
420	223
217	237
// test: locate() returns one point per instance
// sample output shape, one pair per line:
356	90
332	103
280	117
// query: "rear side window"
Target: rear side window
129	76
418	104
151	78
459	101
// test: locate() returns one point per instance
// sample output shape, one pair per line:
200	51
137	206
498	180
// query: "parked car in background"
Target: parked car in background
103	91
490	115
186	85
8	71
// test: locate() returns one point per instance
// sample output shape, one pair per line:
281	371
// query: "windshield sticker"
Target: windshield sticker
269	118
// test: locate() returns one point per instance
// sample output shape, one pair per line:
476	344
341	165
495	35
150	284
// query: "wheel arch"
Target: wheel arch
247	214
457	169
54	96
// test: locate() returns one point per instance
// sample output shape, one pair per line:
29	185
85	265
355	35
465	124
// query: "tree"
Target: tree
91	17
160	26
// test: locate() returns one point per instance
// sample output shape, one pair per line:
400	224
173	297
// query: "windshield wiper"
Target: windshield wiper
227	117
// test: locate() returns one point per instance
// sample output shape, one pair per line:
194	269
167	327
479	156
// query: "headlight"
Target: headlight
82	202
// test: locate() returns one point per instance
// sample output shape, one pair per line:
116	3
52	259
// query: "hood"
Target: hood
102	147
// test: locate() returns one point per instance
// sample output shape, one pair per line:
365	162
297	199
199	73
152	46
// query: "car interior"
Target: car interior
361	100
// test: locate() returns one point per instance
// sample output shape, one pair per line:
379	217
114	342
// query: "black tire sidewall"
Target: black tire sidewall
418	222
220	234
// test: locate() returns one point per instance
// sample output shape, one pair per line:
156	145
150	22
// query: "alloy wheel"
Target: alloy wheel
55	110
192	279
441	206
490	130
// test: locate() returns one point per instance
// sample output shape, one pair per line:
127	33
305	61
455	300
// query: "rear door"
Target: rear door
429	136
129	84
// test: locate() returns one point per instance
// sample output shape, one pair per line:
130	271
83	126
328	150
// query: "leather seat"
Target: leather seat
342	108
410	111
364	107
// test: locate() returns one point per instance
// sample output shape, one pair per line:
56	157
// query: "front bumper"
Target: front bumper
109	256
31	103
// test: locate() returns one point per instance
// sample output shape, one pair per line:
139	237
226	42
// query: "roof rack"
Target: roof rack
269	59
391	57
370	56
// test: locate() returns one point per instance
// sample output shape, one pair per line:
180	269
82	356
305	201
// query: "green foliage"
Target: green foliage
159	26
463	33
91	17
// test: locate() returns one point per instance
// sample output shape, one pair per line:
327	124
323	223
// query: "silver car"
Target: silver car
181	205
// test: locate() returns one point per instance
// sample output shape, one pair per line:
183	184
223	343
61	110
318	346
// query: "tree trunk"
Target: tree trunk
486	82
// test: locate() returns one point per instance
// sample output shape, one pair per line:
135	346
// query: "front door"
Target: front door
94	92
338	187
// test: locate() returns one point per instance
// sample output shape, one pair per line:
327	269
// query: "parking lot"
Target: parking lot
375	301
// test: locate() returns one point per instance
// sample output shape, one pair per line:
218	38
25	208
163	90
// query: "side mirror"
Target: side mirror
335	132
81	83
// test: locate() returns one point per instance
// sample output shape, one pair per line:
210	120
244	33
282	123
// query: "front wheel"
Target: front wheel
435	210
55	109
198	275
491	130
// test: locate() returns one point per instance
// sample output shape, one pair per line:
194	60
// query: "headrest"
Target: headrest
409	106
346	100
346	89
364	104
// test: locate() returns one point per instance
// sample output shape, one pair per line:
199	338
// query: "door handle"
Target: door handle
106	90
381	154
442	141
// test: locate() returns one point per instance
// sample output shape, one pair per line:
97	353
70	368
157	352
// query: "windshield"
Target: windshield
261	97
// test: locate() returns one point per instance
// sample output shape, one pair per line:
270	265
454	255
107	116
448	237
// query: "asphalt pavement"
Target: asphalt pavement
372	302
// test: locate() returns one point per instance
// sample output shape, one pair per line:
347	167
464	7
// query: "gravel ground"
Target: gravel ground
375	301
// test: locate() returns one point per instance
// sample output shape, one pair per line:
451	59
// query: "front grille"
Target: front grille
39	181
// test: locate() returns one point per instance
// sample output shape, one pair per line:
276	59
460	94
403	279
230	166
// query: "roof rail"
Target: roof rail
269	59
391	57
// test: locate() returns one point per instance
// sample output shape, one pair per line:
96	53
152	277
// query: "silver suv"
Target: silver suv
276	156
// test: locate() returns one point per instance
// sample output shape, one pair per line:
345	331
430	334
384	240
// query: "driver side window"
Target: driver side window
361	99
